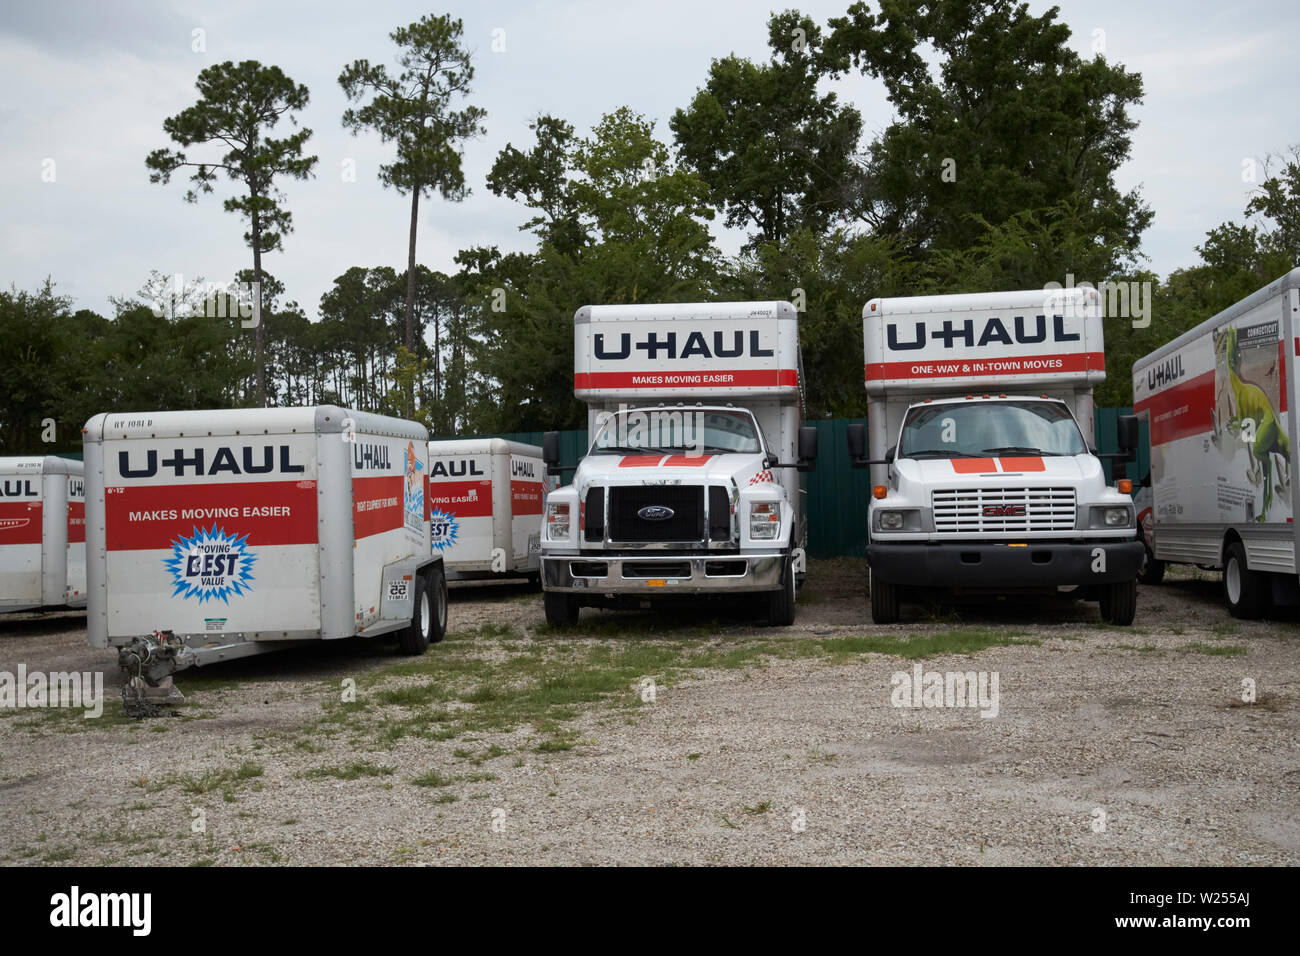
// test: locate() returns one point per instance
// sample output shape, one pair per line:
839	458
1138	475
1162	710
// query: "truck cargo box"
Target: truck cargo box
243	530
485	506
42	533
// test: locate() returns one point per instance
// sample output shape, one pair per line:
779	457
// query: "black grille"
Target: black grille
595	514
719	514
686	524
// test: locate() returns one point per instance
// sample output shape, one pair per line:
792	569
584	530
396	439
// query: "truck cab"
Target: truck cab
987	486
696	491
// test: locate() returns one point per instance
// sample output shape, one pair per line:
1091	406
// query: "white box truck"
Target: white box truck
690	485
42	533
485	507
984	476
1220	402
219	534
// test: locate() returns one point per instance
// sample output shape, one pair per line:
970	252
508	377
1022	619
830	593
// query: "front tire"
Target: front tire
780	603
1245	592
1119	603
1153	569
561	609
885	600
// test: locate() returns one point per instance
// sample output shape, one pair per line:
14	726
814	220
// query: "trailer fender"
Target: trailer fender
397	598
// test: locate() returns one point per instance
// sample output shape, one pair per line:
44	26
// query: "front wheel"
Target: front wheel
1153	569
561	609
1119	602
884	600
1244	591
780	603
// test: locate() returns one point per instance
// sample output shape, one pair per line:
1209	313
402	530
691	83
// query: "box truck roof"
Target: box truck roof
686	350
482	446
40	465
984	342
319	419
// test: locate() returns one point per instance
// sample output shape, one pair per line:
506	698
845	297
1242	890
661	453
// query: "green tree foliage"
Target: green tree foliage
413	109
778	154
239	106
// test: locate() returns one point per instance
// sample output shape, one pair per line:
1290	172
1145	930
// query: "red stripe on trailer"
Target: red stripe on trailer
20	522
525	498
1181	411
1022	464
76	522
464	499
1014	365
974	466
428	509
729	378
376	504
151	517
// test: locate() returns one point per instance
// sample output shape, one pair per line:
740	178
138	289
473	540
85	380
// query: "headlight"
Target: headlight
908	519
765	519
557	521
1112	518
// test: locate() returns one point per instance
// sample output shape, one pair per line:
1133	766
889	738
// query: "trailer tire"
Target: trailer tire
885	600
1153	569
1119	602
438	592
561	609
780	603
1245	592
414	638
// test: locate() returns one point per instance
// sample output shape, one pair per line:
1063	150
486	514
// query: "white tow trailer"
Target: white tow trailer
984	475
485	507
218	534
1220	400
42	533
690	485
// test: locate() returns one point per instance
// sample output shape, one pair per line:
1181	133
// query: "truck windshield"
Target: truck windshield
677	431
990	428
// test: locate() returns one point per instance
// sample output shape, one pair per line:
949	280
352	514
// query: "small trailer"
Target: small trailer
218	534
42	534
1221	400
485	507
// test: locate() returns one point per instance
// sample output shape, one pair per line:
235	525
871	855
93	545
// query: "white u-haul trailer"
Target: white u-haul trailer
984	475
218	534
42	533
1220	400
690	485
485	507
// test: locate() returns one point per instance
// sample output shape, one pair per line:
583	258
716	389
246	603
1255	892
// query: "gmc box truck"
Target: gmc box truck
1219	400
42	534
485	507
218	534
984	476
690	485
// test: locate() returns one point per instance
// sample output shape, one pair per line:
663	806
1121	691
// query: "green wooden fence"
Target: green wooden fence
838	494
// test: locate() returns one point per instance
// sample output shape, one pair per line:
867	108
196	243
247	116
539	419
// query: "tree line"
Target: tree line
995	170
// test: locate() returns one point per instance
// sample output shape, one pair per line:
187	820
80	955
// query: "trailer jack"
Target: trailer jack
148	662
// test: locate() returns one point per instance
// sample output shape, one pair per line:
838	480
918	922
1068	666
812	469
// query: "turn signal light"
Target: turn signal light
879	491
1124	486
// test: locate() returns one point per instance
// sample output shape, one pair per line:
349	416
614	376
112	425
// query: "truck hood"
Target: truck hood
654	469
983	471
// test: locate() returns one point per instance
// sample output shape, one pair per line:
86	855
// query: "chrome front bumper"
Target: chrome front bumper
651	575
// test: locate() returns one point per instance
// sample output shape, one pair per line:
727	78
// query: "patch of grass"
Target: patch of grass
432	778
353	771
1213	650
758	808
225	780
59	854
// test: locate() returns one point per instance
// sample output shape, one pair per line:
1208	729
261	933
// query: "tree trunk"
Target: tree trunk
258	335
410	295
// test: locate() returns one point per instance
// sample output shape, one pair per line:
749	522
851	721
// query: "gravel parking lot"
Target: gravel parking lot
693	737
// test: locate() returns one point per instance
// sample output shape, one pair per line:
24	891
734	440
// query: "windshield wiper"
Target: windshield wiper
1019	450
628	450
936	453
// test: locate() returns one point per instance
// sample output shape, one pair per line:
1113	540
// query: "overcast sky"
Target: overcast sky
88	85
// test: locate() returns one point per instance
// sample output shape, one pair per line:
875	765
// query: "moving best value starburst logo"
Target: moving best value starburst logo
442	529
211	564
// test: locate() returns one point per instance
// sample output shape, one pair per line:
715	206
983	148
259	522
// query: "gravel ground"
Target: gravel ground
1110	745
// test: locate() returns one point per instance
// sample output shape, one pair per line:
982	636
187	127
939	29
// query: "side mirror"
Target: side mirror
1128	433
551	450
857	439
807	448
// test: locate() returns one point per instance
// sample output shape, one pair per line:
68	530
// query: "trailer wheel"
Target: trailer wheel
1153	569
1119	602
884	600
414	639
561	609
438	596
780	603
1244	591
